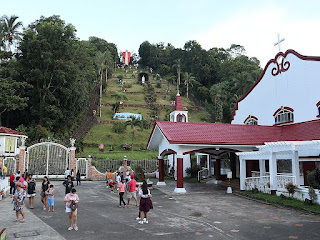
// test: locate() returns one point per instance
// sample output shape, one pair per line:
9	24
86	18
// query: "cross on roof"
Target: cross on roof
279	41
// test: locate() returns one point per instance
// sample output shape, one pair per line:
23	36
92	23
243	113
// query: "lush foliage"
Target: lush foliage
217	77
313	178
48	82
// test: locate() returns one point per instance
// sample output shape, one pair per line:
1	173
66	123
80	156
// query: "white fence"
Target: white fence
263	183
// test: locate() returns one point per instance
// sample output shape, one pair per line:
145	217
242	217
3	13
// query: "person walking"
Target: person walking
67	173
145	202
78	177
50	192
132	190
72	199
31	192
12	187
18	202
44	187
121	189
72	175
68	184
5	170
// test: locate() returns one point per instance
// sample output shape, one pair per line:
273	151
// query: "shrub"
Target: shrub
312	194
158	85
193	171
313	178
127	85
291	188
119	127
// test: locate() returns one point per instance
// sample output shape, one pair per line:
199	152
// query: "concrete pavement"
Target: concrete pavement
205	212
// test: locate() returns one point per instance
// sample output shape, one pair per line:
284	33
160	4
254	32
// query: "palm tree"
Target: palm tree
188	80
2	35
100	60
177	64
10	29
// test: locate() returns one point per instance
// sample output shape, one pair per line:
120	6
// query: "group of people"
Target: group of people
23	186
127	184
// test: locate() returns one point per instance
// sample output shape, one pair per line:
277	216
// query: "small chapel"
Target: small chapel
273	137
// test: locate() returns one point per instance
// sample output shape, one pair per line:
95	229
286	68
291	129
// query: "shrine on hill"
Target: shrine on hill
273	137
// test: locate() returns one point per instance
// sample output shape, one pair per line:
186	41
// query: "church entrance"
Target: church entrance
47	159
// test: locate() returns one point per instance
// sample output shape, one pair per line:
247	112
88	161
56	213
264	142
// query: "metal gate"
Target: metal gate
11	165
47	159
82	166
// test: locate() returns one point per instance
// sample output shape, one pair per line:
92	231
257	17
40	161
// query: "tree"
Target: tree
11	29
60	70
188	80
11	97
177	65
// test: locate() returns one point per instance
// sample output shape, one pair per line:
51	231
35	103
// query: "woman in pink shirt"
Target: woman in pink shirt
72	213
121	189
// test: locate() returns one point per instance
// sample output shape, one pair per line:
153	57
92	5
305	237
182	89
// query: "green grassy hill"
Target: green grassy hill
102	132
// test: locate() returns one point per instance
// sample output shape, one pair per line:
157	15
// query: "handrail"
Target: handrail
200	176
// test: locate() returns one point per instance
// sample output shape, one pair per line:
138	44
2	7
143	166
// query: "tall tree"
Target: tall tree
11	29
177	65
188	80
58	67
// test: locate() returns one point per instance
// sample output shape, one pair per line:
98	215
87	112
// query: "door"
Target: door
307	167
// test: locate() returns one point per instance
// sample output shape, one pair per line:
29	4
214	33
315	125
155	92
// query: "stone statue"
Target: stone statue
143	79
23	141
72	142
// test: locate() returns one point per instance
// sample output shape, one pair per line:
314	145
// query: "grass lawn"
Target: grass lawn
284	201
131	155
103	133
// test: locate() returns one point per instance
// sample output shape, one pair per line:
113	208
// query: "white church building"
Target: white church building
273	137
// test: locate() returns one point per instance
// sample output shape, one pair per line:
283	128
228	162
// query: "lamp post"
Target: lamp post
229	175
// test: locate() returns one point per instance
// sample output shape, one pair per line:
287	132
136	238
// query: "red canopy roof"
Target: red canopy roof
178	106
236	134
9	131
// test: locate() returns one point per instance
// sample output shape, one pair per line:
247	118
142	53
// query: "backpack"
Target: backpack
31	187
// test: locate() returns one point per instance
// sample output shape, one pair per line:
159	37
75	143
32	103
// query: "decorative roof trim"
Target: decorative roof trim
282	108
249	117
284	55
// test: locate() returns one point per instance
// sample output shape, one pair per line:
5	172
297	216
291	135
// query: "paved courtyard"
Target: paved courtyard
205	212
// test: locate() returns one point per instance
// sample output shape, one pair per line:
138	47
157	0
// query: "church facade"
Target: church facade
273	137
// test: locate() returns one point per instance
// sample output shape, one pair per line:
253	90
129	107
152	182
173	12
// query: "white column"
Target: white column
295	167
273	171
262	167
198	159
243	173
208	162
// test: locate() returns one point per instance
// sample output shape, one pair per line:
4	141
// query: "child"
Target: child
50	192
111	184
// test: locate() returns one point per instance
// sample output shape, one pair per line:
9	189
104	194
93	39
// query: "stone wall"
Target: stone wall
93	173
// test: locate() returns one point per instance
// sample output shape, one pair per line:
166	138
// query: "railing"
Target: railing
261	183
257	182
283	180
114	164
204	173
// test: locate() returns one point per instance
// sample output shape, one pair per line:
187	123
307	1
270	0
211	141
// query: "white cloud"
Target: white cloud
257	32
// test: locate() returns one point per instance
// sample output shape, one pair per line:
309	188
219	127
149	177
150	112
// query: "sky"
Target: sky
127	23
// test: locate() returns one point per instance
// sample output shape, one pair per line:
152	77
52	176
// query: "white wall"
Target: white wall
297	88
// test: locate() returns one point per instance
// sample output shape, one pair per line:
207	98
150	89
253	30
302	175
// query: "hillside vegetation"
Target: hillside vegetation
116	145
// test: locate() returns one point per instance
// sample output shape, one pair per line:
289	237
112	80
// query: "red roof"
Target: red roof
236	134
9	131
178	106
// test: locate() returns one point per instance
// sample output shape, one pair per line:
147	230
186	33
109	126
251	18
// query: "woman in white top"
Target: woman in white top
145	202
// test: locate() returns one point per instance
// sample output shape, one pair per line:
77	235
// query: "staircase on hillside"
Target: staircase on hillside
88	118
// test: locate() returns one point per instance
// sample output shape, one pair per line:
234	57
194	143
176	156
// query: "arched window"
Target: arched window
283	115
318	106
181	118
251	120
